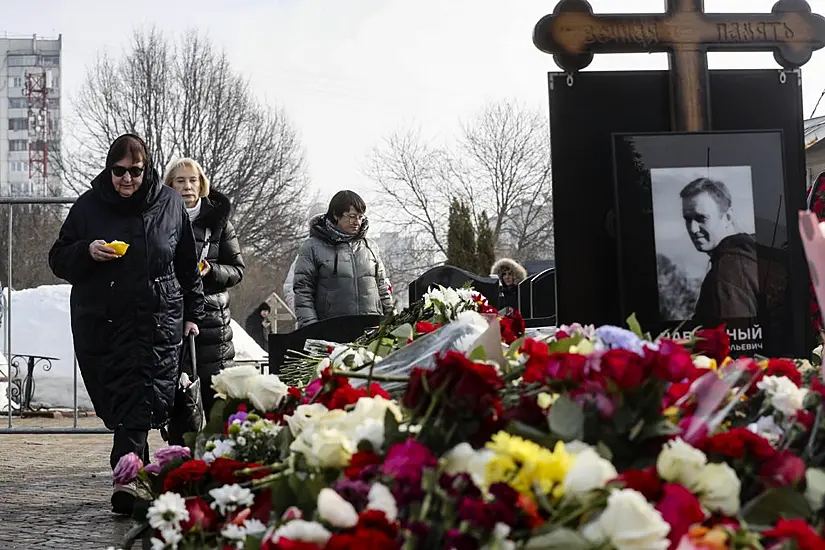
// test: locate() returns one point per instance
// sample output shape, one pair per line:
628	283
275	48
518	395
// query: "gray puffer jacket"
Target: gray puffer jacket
335	278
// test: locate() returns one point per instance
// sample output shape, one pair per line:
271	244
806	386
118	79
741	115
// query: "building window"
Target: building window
54	103
51	60
18	145
19	166
16	82
18	124
22	61
18	103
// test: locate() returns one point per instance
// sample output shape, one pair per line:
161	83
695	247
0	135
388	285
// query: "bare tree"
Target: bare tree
34	228
499	163
411	179
185	99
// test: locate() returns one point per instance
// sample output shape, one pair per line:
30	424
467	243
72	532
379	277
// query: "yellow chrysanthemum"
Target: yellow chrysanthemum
524	464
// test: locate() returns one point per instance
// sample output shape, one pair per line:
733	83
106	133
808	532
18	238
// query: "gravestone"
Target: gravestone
687	98
537	295
342	330
449	276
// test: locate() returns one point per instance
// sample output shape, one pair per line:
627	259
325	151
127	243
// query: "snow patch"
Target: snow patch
41	325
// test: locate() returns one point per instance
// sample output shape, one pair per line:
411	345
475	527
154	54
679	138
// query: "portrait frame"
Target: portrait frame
644	165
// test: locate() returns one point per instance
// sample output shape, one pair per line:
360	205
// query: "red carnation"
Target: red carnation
424	327
360	461
672	362
511	326
786	368
223	470
799	531
565	366
713	343
783	469
624	367
185	476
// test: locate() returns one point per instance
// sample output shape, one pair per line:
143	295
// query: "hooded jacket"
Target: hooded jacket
731	285
509	294
335	278
128	314
215	350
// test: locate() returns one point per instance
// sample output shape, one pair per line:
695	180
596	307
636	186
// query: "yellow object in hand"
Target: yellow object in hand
201	265
119	247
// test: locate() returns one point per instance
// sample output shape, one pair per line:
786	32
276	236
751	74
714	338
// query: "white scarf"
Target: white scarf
194	211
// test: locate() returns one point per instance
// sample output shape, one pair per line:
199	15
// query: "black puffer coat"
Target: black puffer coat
128	313
215	350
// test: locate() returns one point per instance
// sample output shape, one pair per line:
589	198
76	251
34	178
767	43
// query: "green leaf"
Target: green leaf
404	332
282	497
660	428
392	431
564	345
478	354
634	326
283	440
775	504
559	539
514	347
566	419
252	543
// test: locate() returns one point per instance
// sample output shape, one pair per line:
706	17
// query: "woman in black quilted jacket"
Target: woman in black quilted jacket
221	267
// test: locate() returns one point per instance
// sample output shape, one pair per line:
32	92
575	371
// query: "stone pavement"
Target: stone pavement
55	489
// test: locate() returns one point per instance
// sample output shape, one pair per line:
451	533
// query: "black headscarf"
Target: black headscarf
138	201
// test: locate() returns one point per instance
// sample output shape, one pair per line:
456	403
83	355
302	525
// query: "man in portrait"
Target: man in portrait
730	287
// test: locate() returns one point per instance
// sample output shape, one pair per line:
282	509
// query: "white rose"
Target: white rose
588	472
785	396
718	489
703	362
630	523
304	416
371	430
814	493
380	498
681	463
336	511
464	459
235	382
324	447
375	408
267	393
301	530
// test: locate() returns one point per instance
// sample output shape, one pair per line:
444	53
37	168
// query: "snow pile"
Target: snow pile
41	326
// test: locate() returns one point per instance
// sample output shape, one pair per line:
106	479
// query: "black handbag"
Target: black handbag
187	411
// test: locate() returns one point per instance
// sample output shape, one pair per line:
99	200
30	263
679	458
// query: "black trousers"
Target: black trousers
130	441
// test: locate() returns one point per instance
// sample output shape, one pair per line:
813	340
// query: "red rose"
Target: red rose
713	343
797	530
342	397
527	411
624	367
729	444
362	539
423	327
783	469
416	391
377	521
201	516
293	392
185	476
784	367
511	326
565	366
672	362
645	481
360	461
223	470
680	509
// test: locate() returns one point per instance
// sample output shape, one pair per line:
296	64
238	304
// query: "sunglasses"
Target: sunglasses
120	171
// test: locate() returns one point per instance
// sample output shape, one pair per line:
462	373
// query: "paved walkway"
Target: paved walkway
55	489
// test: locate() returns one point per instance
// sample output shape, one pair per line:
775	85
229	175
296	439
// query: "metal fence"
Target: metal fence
23	389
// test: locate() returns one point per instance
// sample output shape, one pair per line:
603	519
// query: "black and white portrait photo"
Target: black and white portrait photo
704	227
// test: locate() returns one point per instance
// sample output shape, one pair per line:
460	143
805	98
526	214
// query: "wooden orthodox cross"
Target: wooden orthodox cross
573	33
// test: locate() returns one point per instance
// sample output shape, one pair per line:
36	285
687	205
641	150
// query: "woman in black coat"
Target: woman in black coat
129	310
221	267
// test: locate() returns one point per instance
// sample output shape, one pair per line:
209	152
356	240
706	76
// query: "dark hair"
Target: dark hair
341	203
127	145
264	307
716	189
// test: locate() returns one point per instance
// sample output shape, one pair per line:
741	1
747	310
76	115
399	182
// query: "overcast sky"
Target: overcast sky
349	72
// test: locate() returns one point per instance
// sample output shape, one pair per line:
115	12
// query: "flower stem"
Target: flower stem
369	376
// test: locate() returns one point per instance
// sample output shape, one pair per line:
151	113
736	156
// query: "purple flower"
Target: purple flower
127	469
354	492
405	461
153	468
240	416
168	454
618	338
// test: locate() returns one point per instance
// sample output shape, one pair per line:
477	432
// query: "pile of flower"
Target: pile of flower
590	439
438	307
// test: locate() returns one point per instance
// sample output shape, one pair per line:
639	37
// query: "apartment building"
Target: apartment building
30	116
